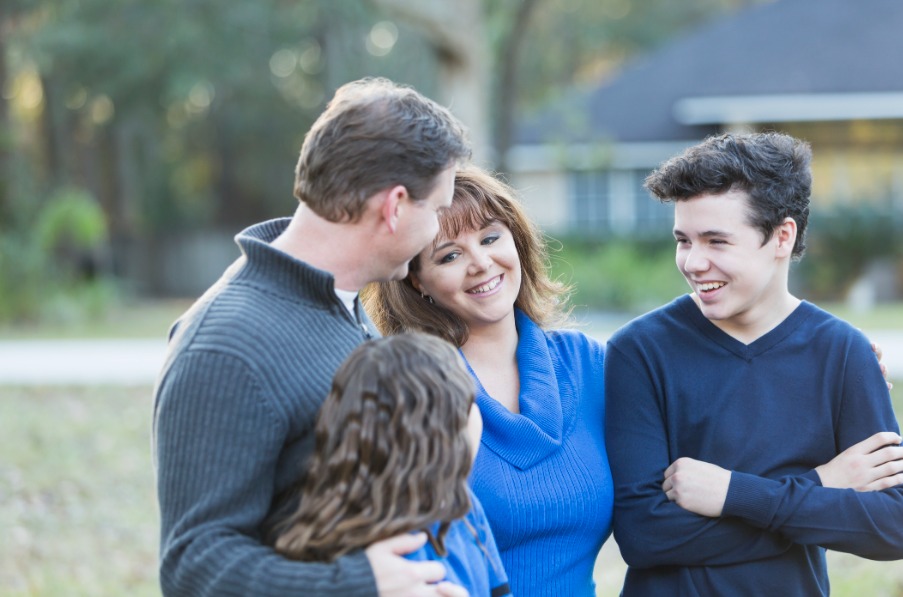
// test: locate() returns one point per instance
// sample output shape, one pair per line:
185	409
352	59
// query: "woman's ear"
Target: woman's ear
415	282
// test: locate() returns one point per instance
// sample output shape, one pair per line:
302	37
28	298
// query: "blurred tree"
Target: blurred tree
187	115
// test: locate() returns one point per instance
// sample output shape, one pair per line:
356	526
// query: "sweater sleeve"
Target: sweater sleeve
868	524
649	529
216	443
498	579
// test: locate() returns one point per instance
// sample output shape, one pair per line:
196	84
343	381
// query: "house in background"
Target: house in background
828	71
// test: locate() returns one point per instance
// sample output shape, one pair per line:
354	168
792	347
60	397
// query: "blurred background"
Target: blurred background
137	137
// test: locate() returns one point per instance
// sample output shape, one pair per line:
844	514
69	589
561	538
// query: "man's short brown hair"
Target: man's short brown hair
375	134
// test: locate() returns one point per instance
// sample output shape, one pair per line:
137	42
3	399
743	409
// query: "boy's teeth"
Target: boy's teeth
711	286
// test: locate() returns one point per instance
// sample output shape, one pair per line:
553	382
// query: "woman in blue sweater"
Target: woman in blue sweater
542	472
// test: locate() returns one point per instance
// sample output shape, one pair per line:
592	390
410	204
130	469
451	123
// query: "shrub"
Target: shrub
617	275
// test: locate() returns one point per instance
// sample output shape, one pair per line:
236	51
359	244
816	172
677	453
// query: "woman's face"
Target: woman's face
476	275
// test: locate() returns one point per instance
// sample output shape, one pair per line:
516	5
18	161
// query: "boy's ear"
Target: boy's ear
785	234
392	206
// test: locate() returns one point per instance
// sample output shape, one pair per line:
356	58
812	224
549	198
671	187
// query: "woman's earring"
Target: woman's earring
426	297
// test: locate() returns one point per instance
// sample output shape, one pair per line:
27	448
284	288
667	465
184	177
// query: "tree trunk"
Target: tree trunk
457	31
506	95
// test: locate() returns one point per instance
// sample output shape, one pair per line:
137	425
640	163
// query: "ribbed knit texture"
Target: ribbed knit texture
247	369
542	475
472	561
772	410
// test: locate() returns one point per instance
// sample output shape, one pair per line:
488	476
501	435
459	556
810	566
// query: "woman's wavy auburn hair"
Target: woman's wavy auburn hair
392	454
479	199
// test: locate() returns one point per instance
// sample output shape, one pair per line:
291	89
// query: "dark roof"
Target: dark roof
783	47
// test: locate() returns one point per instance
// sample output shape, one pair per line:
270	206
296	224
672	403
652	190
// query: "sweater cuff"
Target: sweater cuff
812	475
752	498
359	575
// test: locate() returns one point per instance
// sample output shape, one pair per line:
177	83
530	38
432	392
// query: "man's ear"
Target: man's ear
393	205
785	234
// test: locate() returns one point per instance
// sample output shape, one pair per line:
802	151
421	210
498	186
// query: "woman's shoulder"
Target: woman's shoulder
576	344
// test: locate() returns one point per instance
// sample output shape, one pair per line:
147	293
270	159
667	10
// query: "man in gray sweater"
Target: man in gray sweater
252	360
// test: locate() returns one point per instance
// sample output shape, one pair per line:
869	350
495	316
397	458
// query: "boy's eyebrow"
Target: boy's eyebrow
706	233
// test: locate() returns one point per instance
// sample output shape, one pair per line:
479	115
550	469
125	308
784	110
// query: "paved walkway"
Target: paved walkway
137	362
80	362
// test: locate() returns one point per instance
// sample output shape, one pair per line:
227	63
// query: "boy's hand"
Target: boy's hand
697	486
873	464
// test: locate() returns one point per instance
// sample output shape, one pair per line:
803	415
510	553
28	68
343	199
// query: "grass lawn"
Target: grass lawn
146	319
79	518
884	317
77	507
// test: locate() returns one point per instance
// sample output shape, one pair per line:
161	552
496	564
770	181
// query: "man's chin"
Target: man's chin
399	274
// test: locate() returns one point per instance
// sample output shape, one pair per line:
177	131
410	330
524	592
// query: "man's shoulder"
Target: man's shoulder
251	323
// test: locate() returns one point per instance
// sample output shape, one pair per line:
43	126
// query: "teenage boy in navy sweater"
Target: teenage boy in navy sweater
722	404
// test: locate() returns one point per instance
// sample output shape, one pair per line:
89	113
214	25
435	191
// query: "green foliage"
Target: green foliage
42	254
842	242
619	275
72	218
634	276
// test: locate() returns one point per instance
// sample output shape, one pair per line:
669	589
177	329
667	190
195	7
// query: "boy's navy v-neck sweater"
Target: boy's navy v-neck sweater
770	412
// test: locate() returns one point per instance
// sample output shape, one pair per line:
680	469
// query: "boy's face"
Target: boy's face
738	282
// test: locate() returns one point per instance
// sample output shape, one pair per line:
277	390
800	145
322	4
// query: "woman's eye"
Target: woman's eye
490	239
448	258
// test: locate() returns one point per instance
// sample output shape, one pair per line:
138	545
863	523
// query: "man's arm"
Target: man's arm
649	529
216	443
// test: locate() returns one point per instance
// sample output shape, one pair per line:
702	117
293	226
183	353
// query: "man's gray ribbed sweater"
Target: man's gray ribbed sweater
235	405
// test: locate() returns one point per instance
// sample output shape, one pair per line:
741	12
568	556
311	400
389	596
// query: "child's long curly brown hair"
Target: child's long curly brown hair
391	455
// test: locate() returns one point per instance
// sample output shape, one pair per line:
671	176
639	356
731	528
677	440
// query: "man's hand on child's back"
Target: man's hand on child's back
397	576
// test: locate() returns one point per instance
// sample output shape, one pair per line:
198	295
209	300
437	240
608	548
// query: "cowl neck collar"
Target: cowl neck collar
527	438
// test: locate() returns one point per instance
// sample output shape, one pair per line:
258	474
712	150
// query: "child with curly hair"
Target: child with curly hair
395	442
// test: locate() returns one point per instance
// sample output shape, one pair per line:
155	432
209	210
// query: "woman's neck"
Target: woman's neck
491	352
491	342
